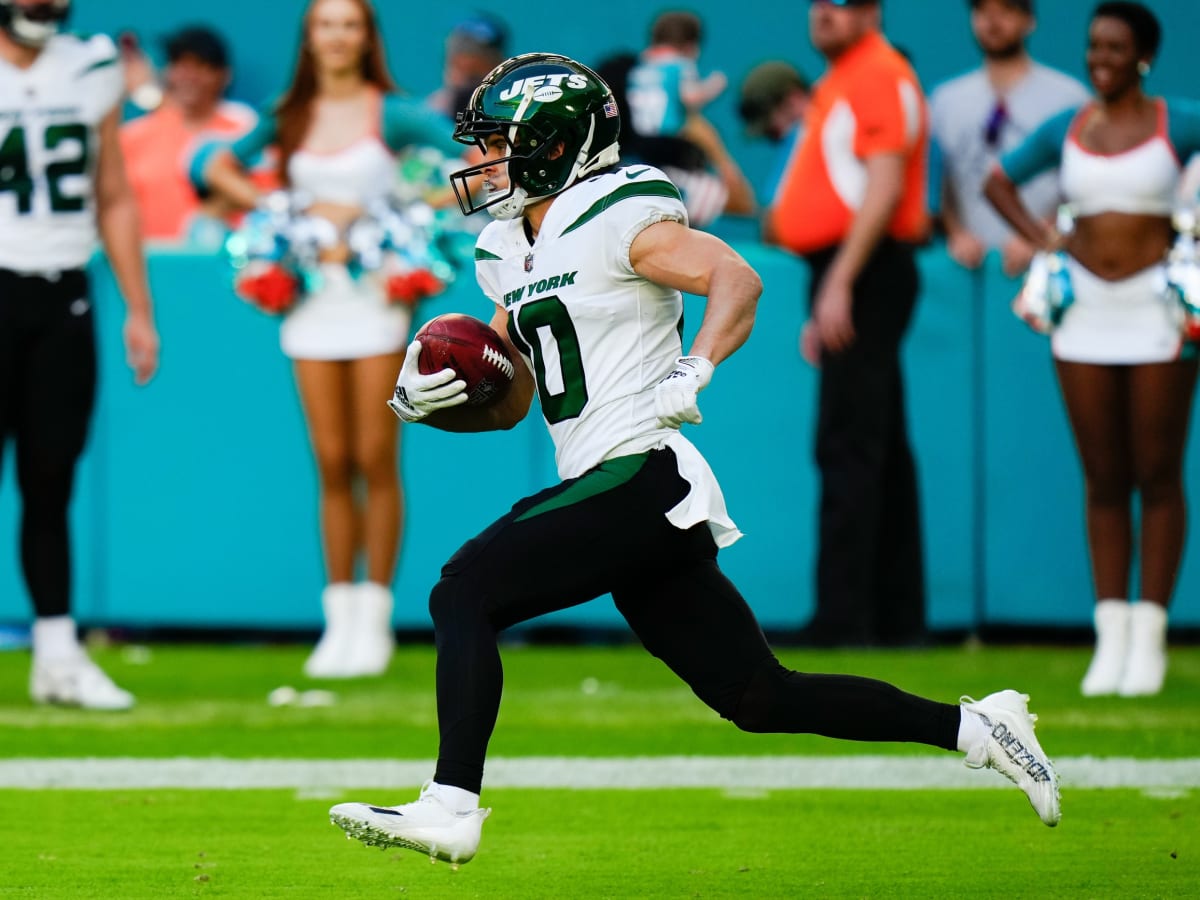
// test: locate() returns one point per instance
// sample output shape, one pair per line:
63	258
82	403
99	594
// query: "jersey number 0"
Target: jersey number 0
542	324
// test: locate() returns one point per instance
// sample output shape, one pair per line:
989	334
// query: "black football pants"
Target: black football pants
47	389
606	532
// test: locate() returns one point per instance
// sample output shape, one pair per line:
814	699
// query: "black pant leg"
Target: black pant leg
870	552
576	541
695	621
48	412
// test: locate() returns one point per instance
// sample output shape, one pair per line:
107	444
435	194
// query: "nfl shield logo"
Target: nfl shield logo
529	263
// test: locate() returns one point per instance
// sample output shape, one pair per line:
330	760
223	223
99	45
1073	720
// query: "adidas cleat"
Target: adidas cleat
425	825
1012	750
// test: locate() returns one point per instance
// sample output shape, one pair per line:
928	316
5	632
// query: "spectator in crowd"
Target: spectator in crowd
1127	376
639	513
696	159
62	184
665	90
159	146
474	47
337	130
772	102
853	204
983	113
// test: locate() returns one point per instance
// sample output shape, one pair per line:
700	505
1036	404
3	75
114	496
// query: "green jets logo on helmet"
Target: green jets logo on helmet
558	119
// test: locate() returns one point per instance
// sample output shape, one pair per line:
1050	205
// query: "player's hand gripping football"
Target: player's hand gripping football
418	395
675	395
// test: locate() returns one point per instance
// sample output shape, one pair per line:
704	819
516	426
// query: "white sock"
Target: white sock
54	637
454	798
971	730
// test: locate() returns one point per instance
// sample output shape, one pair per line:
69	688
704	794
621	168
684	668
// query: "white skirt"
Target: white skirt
345	318
1126	322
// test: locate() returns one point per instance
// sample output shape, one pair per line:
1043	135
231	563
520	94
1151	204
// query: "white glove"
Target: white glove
675	395
418	395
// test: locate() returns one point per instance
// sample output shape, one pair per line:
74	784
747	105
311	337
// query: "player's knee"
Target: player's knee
755	709
453	600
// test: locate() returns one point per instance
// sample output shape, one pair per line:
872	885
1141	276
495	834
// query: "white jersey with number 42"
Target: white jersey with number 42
49	143
597	336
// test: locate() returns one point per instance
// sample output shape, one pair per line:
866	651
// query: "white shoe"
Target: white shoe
1012	750
1112	647
425	825
372	639
1146	665
331	657
76	681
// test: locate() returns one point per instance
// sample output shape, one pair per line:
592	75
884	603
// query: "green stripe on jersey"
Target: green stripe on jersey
480	253
609	474
99	64
625	191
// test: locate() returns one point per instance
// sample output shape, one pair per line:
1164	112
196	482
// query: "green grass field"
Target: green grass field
120	841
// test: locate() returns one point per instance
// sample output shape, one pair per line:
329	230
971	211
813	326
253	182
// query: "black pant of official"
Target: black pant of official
870	574
47	388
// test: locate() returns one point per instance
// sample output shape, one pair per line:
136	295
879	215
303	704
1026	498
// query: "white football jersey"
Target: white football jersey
49	142
597	336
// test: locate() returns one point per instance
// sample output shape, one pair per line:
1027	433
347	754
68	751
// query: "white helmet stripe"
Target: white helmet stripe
526	99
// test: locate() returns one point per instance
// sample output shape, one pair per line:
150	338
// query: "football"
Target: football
472	349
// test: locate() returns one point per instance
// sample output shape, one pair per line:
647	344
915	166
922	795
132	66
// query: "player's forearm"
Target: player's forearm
120	232
734	289
500	415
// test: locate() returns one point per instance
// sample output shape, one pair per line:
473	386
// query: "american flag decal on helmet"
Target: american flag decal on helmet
610	108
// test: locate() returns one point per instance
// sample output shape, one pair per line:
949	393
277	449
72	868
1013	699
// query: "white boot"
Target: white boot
331	657
372	639
1112	645
1146	665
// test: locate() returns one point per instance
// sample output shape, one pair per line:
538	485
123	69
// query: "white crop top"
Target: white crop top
1140	180
354	176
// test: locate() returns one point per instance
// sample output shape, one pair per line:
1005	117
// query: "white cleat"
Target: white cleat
1013	751
76	681
425	825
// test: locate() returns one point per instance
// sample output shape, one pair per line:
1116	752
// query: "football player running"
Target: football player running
586	264
62	184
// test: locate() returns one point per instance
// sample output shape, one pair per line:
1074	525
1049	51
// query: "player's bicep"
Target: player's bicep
675	256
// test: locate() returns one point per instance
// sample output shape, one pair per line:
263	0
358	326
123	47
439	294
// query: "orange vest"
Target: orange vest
869	102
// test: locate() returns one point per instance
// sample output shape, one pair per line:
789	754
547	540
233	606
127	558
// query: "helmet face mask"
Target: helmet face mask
34	24
558	120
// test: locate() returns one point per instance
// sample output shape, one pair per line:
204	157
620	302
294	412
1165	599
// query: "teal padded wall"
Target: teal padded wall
196	502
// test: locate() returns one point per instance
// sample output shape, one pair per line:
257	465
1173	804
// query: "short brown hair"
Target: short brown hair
676	28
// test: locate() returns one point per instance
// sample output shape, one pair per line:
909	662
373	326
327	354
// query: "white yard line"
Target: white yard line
734	772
